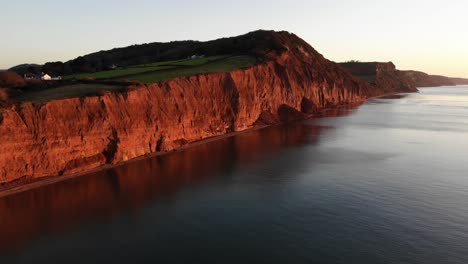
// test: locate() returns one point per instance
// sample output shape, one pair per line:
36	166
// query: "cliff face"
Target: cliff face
384	76
391	79
78	134
421	79
387	77
459	81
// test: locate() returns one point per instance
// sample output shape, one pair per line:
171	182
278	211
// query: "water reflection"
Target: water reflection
393	96
97	197
339	111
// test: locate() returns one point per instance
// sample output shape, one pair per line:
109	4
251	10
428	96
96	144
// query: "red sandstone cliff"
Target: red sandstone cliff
459	81
74	135
387	77
383	75
421	79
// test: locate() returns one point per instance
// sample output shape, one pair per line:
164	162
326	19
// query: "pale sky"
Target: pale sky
422	35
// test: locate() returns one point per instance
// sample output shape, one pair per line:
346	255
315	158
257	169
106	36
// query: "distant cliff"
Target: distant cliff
385	74
459	81
74	135
421	79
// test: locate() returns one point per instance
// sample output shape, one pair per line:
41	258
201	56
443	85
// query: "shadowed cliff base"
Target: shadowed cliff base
290	81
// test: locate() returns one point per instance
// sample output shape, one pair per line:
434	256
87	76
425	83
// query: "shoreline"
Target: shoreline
30	184
49	180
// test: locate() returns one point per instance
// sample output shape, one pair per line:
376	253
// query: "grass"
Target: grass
148	73
116	73
199	61
68	91
223	65
144	68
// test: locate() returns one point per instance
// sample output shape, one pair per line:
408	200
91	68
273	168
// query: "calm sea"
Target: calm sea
383	183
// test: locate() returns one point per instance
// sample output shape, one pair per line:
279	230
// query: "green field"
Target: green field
148	73
116	73
224	65
67	91
145	68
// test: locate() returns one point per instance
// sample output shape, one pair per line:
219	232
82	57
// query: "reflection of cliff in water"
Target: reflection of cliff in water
338	111
58	207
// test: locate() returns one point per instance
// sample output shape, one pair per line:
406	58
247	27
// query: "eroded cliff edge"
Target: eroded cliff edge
78	134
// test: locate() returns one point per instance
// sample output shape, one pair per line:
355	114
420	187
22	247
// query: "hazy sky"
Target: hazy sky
423	35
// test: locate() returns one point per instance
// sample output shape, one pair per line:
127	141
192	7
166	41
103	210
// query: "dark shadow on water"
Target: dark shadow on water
387	99
393	96
63	206
344	110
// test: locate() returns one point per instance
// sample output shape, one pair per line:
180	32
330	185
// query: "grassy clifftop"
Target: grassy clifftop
254	44
115	69
160	71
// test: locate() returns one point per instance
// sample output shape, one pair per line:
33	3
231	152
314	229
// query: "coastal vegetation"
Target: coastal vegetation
154	72
89	84
11	79
67	91
220	65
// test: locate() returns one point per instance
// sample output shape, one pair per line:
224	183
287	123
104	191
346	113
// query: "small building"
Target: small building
46	77
31	76
42	76
197	57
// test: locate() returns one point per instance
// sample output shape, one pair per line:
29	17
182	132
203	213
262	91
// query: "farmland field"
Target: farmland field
117	73
146	68
67	91
224	65
147	73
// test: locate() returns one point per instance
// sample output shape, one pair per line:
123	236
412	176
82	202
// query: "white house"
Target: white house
46	77
42	76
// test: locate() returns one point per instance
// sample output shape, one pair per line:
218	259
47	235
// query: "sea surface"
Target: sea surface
386	182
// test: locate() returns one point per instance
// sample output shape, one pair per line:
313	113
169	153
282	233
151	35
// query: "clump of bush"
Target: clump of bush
4	94
11	79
